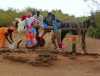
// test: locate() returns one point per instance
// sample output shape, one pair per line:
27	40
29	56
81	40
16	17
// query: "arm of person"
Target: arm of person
10	34
7	38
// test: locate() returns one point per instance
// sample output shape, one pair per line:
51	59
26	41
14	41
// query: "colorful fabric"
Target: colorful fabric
30	32
21	26
3	31
30	39
31	22
29	36
23	18
40	19
29	43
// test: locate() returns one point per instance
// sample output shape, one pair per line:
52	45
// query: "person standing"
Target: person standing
30	30
39	17
56	37
40	29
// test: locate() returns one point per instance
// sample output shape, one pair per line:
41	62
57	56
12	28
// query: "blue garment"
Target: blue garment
45	26
29	43
33	30
29	20
56	25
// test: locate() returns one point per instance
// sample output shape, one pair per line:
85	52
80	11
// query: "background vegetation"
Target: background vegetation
7	16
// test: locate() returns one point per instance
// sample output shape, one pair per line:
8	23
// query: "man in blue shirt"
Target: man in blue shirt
56	37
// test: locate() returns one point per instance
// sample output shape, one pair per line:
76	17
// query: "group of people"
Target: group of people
35	26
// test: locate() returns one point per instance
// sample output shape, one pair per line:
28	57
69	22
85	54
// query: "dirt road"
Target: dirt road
81	66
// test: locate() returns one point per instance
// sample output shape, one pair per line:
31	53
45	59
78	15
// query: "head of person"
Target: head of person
29	13
12	26
49	14
53	17
38	13
24	12
33	12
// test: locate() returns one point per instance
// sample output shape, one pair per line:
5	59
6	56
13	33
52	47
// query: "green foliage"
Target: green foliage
95	32
82	19
7	16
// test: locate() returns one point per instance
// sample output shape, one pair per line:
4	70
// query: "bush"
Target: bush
95	32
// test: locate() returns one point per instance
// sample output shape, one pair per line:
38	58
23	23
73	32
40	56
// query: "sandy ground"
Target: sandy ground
64	66
81	66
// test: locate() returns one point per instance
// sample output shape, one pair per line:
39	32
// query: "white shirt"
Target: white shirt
40	18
